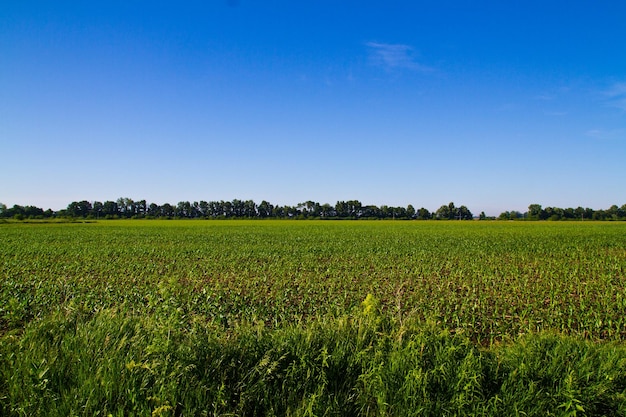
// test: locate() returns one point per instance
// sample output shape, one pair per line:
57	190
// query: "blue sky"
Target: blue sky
493	105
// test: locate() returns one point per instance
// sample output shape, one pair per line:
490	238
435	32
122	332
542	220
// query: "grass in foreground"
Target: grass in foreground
111	363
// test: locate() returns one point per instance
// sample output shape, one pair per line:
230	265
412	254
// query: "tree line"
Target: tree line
536	212
248	209
235	209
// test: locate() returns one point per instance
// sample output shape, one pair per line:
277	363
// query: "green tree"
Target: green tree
535	212
153	210
463	213
342	209
579	213
446	212
203	208
183	209
237	208
265	209
79	208
167	210
505	215
410	211
249	209
424	214
354	208
372	211
327	210
141	208
613	212
228	208
125	207
110	209
313	209
552	213
96	209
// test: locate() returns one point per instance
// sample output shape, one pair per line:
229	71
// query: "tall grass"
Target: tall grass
119	363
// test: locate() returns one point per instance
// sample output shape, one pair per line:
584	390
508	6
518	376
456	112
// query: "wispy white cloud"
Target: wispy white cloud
545	97
603	134
615	95
395	56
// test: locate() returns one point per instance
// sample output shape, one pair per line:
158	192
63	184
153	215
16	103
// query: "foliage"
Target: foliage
304	318
239	209
115	362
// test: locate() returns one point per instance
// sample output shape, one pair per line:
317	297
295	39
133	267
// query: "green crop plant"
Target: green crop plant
312	318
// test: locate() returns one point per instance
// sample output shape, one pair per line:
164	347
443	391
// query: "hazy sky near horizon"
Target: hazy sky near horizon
489	104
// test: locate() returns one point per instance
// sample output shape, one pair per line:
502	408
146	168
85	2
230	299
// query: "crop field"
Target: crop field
313	318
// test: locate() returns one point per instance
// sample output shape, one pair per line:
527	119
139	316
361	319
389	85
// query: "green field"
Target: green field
313	318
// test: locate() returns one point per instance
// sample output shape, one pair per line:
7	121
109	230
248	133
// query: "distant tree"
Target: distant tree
33	212
237	208
216	209
265	209
125	207
96	209
249	209
505	215
110	209
579	213
341	208
464	213
16	212
292	212
203	208
372	211
354	208
535	212
510	215
599	215
410	211
399	212
141	208
552	213
167	210
311	209
3	209
153	210
227	206
194	210
183	209
451	212
446	212
278	212
613	212
423	214
385	212
79	208
568	213
327	211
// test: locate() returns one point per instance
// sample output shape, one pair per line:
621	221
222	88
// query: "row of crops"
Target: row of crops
486	286
486	280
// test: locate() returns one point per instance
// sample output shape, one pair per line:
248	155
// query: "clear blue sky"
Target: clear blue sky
493	105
